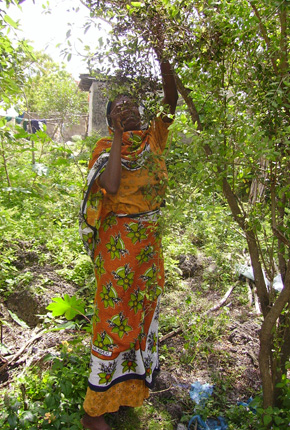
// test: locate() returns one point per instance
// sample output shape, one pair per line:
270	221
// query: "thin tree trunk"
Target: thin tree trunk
33	152
281	245
265	356
284	335
5	165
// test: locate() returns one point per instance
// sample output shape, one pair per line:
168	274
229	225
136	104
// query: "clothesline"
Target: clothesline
57	118
40	119
32	125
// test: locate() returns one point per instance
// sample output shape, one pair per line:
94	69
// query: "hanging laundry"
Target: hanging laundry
37	124
20	118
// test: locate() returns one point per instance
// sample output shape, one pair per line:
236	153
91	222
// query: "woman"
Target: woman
126	186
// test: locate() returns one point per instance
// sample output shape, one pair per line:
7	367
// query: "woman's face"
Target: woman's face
128	112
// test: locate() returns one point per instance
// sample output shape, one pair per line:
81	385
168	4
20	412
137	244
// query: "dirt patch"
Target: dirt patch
37	282
189	265
24	342
29	302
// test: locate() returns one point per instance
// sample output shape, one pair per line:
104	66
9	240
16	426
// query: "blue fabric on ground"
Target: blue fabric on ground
200	392
210	424
248	405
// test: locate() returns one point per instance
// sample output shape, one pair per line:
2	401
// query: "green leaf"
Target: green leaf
278	420
18	320
67	306
28	416
66	326
4	349
12	420
66	388
40	169
50	401
10	21
267	419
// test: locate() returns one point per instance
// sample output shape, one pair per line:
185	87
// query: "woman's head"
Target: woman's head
127	110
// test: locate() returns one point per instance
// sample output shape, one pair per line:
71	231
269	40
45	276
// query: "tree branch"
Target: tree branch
283	40
264	35
185	92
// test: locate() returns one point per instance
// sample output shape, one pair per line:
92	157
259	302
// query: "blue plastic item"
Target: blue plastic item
248	405
200	392
210	424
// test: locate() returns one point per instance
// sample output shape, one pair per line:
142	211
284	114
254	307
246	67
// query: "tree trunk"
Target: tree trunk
5	164
284	335
268	371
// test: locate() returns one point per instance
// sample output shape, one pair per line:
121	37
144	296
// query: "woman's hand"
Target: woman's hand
124	116
119	114
110	179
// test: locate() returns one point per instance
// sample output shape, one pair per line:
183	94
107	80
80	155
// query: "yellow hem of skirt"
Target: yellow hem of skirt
128	393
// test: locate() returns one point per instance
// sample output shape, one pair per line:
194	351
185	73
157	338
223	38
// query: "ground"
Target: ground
219	346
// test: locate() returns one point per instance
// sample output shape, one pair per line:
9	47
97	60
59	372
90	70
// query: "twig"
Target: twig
253	357
170	334
26	360
280	236
3	358
250	293
19	353
161	391
257	304
221	302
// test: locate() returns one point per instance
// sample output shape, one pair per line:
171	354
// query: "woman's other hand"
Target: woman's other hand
117	117
125	115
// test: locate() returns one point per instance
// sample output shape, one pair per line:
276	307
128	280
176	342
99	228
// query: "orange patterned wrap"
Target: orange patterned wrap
128	261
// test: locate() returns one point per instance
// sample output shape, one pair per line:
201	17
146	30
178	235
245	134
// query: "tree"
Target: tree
231	67
12	69
50	90
13	57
